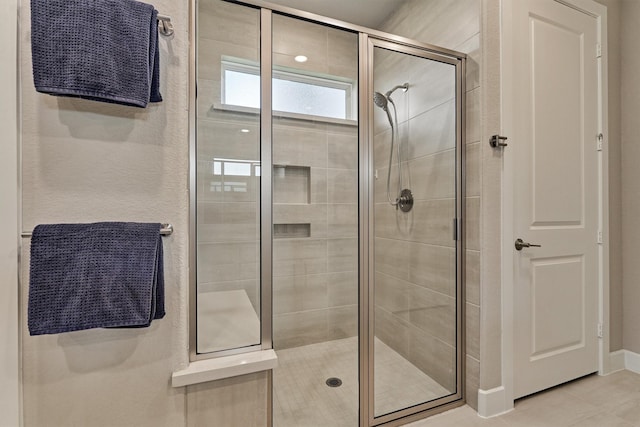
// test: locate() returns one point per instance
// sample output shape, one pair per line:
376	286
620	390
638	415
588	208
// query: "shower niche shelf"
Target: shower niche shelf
291	231
291	184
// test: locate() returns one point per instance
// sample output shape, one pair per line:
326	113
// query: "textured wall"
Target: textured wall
9	355
456	25
630	98
85	161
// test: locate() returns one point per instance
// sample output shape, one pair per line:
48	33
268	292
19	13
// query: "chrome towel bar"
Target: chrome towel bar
166	230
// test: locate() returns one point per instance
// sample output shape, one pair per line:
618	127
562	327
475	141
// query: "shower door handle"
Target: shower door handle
522	244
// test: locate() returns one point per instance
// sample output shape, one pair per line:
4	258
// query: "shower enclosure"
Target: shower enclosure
327	189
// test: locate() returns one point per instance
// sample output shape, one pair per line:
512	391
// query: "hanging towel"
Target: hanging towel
106	274
104	50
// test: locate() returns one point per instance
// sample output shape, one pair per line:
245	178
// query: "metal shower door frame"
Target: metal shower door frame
367	43
367	39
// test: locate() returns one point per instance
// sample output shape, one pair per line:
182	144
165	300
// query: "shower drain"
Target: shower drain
334	382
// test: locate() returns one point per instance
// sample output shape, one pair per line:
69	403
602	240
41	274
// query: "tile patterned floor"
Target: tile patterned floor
593	401
610	401
302	399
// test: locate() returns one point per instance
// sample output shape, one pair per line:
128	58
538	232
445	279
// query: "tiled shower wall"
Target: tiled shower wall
415	257
315	278
456	25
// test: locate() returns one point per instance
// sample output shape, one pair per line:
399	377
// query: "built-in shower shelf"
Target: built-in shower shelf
291	231
291	184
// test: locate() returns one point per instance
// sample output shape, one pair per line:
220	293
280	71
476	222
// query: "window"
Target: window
293	91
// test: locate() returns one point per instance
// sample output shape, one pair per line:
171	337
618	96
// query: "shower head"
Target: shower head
380	100
404	88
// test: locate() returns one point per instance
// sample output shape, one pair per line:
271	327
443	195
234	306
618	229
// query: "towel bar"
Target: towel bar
164	25
166	230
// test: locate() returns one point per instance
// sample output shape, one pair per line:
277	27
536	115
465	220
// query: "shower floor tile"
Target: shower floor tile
301	397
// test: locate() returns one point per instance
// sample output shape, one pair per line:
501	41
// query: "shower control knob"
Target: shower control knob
522	244
405	201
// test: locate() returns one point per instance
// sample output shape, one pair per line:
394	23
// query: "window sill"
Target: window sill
283	114
202	371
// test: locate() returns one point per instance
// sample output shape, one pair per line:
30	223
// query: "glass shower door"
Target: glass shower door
416	309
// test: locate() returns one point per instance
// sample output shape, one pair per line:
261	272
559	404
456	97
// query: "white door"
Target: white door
555	84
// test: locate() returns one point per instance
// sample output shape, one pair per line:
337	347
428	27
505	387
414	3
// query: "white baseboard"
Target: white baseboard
616	361
632	361
493	402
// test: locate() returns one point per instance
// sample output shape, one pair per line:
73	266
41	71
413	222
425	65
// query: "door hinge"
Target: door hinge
599	237
598	50
600	333
456	234
599	142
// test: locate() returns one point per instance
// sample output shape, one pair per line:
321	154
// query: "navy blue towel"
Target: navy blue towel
104	50
106	274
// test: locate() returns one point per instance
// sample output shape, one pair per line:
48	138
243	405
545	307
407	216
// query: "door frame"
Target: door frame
599	12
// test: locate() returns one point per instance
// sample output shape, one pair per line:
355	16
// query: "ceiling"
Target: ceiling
368	13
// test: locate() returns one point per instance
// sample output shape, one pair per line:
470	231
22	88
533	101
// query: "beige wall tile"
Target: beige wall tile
342	186
473	223
472	378
318	185
343	53
433	267
342	220
342	322
342	288
472	276
434	313
473	116
392	330
294	257
392	295
316	215
342	255
291	184
229	23
299	147
224	262
392	257
433	222
298	329
342	151
224	139
430	85
228	222
473	330
292	37
473	169
433	177
433	357
299	293
391	223
433	131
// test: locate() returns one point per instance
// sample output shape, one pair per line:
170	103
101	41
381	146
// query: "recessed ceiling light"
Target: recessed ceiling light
300	58
244	130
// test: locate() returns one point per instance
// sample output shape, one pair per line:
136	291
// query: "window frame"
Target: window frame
294	75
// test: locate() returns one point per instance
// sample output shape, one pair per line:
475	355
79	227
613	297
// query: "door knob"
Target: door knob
522	244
